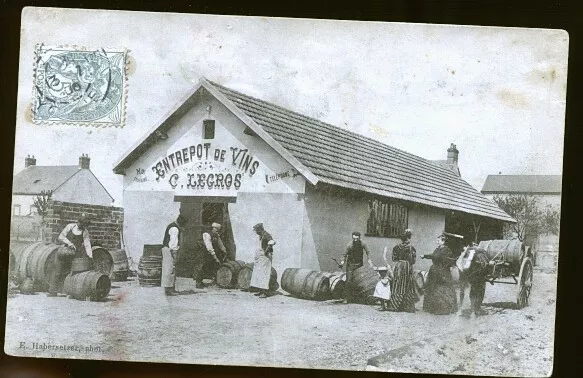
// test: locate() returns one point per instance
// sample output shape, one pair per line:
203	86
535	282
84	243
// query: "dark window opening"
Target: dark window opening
208	129
386	219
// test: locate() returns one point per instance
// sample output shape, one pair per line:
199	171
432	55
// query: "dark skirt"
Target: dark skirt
440	295
403	291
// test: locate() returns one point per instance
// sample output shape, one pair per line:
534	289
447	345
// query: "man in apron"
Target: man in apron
172	241
353	257
76	243
261	275
475	271
210	254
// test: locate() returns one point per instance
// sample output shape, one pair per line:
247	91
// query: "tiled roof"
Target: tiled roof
346	159
535	184
34	179
448	165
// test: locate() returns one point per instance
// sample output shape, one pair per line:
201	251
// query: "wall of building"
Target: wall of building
106	226
268	194
330	219
26	204
83	187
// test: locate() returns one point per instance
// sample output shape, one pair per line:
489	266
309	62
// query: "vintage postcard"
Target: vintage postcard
342	195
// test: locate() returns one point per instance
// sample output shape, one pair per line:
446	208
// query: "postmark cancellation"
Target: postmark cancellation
79	86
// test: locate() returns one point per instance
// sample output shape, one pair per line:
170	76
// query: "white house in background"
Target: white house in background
68	183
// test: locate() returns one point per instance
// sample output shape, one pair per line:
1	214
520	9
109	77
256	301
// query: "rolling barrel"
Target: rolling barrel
336	284
228	273
81	264
306	284
89	284
244	278
36	261
512	250
364	281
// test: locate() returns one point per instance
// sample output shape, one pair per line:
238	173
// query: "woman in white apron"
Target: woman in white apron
263	258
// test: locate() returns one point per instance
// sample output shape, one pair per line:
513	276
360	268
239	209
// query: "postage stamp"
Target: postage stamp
79	86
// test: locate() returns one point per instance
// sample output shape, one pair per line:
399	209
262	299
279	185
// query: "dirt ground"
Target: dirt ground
230	327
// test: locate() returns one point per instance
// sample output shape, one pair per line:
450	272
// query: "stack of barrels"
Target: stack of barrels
150	265
228	274
84	283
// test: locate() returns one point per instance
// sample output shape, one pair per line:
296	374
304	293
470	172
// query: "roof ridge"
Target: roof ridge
323	123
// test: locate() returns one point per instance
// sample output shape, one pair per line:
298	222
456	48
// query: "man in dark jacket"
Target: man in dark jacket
210	253
172	243
476	276
354	259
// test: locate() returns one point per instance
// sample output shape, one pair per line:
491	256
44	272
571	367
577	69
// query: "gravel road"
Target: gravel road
230	327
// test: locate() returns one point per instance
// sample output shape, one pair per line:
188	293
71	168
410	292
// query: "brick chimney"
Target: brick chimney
452	154
84	161
28	161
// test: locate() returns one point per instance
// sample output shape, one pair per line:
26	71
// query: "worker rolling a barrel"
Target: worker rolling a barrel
172	243
76	244
210	253
353	258
261	276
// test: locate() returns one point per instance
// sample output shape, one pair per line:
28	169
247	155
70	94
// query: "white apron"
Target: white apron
382	290
261	271
168	273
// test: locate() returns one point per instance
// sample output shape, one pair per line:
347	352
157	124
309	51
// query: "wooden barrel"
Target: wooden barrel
81	264
36	261
152	250
244	279
102	260
89	284
336	284
121	268
150	271
512	250
306	284
228	273
364	281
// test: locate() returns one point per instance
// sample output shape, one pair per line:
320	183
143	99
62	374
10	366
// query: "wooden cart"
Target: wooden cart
511	262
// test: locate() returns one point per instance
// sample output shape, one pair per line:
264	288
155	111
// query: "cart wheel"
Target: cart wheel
524	282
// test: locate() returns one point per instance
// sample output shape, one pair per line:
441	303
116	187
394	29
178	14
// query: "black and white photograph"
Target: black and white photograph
291	193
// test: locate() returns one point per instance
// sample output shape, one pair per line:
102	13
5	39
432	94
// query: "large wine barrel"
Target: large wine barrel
512	250
228	273
336	284
36	261
152	250
364	281
150	271
81	264
244	278
89	284
306	284
102	260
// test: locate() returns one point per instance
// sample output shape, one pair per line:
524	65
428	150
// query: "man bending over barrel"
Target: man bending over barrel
76	243
210	253
353	257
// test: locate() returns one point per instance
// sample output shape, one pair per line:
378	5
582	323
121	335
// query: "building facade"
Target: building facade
220	155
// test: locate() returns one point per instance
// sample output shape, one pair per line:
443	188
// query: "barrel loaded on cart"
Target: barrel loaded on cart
511	262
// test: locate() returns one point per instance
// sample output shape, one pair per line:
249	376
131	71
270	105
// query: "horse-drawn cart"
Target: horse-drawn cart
511	262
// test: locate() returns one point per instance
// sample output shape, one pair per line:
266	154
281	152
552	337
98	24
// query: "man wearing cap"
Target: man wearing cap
172	243
354	257
76	244
210	253
261	277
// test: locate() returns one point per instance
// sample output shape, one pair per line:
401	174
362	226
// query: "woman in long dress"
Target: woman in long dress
261	276
403	290
440	296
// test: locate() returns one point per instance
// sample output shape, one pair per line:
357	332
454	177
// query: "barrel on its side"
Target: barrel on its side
306	284
150	271
512	250
364	281
244	279
89	284
36	261
228	273
337	281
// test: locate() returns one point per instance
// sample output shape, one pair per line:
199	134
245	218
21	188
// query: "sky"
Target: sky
497	93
